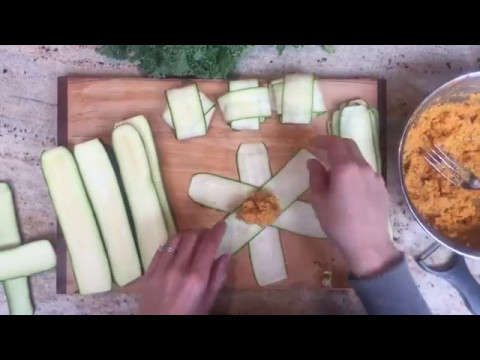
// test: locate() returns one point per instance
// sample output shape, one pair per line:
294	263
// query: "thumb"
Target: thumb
218	275
318	177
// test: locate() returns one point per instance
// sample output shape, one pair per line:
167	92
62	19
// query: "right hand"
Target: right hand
351	202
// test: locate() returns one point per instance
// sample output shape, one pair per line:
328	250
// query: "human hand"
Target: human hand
187	281
351	202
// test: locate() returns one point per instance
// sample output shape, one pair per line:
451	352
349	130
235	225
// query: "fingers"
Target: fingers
318	177
218	275
339	151
207	247
162	258
355	152
186	248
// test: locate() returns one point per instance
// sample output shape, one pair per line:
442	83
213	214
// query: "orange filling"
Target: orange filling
455	127
262	208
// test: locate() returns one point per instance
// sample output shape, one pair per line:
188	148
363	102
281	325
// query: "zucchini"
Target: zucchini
246	124
222	194
19	299
245	104
355	124
297	99
208	107
188	117
253	164
278	96
219	193
376	136
104	193
207	104
150	229
360	122
319	108
289	183
318	102
27	260
335	123
75	215
266	252
17	291
301	217
143	127
242	84
266	255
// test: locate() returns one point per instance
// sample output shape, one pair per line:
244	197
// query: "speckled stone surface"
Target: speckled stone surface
28	75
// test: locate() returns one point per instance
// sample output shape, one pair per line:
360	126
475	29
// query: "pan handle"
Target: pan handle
459	276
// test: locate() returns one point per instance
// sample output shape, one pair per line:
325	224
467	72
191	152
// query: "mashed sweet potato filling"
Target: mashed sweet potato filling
262	208
455	127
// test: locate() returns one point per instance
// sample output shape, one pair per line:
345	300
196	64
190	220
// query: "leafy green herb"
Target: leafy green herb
202	61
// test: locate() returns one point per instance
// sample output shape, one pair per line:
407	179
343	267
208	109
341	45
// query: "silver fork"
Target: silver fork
451	170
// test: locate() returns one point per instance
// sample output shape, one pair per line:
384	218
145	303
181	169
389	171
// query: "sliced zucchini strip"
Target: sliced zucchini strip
208	107
143	127
266	255
266	252
297	99
188	117
27	260
151	231
245	104
245	124
17	291
76	218
356	124
104	193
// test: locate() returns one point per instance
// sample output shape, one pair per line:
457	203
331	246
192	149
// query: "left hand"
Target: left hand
187	281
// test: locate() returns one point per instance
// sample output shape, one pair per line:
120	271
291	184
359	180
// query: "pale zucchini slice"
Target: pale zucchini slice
151	231
319	108
143	127
289	183
26	260
188	117
278	96
245	104
318	102
301	217
253	164
355	124
222	194
297	99
376	136
19	298
235	85
246	124
219	193
17	291
104	193
208	107
75	215
266	255
266	252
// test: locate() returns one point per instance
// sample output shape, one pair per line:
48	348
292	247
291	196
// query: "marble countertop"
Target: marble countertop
28	75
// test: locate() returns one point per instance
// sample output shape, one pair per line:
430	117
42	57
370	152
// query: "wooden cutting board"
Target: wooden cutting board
89	108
